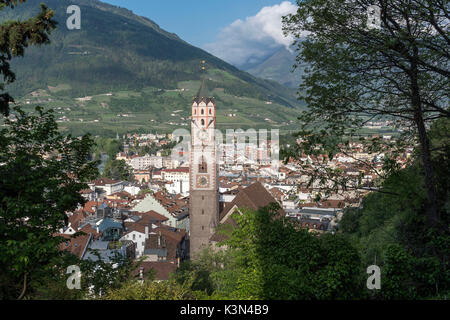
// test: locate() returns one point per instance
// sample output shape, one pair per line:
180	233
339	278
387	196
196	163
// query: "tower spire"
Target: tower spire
203	92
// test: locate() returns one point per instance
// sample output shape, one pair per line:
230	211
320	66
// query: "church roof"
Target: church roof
203	93
252	197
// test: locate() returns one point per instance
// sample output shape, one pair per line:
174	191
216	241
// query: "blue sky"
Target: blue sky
234	30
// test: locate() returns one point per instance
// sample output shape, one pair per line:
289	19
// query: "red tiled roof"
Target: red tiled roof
183	170
163	269
253	197
88	229
152	215
74	245
75	220
88	206
105	181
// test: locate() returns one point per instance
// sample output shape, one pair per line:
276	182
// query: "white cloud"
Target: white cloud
248	41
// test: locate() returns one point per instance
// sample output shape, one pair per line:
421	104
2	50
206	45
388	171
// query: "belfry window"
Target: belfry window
210	111
202	167
203	111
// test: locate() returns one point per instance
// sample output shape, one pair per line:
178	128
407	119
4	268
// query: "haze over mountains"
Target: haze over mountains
279	67
116	50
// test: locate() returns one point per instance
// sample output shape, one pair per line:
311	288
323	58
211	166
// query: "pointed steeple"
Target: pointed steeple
203	93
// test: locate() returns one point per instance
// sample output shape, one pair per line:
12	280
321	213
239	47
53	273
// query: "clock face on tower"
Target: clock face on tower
202	181
203	135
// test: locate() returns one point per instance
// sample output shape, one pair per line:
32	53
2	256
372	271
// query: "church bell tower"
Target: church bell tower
204	192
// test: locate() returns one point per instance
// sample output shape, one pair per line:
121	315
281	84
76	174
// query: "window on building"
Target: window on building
203	122
203	111
202	167
203	227
203	211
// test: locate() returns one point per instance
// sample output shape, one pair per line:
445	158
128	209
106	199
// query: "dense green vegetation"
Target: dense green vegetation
118	170
391	228
268	257
36	192
264	257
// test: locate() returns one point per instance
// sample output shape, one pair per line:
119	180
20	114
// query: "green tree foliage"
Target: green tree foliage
356	74
269	257
151	290
15	36
41	174
97	277
118	170
390	228
107	145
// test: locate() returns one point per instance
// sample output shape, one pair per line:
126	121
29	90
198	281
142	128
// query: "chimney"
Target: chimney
146	231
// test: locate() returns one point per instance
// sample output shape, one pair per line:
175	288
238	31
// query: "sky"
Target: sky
237	31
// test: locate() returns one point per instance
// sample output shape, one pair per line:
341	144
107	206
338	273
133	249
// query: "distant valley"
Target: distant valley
122	73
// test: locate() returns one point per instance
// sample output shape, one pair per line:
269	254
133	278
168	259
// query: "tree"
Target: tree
356	74
118	170
151	290
269	257
391	230
15	36
41	175
99	277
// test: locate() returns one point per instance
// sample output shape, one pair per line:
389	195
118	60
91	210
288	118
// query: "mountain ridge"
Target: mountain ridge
148	71
151	47
279	67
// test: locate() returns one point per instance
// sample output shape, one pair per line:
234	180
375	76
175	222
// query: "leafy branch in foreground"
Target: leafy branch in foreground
41	175
399	73
15	36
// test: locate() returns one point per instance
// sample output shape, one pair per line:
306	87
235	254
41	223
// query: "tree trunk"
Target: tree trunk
24	289
430	183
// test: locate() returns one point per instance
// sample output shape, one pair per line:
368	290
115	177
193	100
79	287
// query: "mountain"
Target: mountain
119	62
279	67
